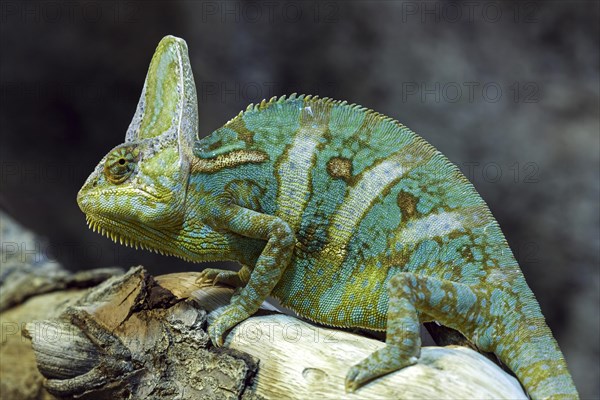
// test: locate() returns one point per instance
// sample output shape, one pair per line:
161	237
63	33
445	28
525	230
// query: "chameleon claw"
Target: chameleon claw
385	360
230	317
356	377
351	384
215	277
216	337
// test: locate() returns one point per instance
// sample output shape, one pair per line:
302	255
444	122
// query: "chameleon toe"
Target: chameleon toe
357	376
216	336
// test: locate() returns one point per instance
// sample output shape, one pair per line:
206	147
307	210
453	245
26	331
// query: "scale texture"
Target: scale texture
343	214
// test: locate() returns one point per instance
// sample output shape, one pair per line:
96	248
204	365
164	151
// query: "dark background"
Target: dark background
509	91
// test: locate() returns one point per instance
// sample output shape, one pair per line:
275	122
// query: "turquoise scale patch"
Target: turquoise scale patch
477	254
344	122
451	251
437	294
496	303
379	223
374	144
426	252
273	127
357	315
466	299
472	272
382	304
221	141
331	298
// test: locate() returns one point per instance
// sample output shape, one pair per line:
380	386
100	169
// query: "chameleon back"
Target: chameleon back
367	198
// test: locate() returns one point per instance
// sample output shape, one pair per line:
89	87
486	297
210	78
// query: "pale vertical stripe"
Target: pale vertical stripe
295	171
360	197
431	226
443	223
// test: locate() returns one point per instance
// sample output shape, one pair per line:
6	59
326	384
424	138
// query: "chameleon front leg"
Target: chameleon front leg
455	305
267	271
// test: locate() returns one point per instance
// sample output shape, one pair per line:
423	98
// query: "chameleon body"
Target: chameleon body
343	214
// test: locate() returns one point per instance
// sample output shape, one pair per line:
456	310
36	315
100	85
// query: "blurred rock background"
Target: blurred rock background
509	91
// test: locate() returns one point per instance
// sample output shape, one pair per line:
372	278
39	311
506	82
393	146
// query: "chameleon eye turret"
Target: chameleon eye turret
120	164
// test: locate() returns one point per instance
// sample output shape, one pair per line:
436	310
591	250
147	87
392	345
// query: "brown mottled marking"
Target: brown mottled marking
215	145
408	204
339	167
466	253
243	133
231	159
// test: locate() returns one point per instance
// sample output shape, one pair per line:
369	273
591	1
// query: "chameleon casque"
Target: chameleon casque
343	214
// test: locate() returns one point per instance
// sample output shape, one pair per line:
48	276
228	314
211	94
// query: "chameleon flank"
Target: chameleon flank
343	214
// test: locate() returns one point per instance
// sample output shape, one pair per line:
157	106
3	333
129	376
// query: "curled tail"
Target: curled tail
530	351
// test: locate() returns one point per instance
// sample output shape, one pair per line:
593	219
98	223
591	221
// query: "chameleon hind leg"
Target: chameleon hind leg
452	304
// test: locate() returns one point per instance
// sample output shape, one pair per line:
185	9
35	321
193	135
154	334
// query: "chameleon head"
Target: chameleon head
137	192
137	187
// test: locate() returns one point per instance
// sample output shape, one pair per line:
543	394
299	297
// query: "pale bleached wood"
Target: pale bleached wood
303	361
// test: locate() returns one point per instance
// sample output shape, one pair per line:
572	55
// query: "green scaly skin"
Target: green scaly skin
343	214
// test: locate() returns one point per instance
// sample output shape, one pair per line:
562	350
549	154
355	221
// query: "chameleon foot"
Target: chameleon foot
213	277
231	316
385	360
403	343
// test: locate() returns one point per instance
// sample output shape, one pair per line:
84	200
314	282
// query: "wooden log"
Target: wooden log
32	287
131	338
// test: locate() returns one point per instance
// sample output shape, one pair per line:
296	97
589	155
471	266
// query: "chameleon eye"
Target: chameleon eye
120	164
